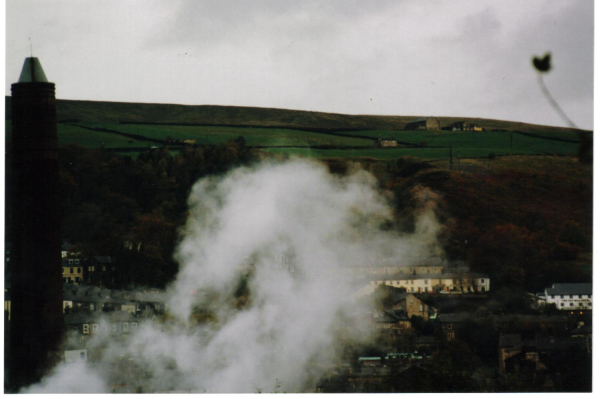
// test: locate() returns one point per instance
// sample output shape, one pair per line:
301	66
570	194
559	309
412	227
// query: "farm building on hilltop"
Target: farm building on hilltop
386	142
423	124
464	126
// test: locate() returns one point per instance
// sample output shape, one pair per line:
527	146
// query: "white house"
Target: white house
569	296
465	282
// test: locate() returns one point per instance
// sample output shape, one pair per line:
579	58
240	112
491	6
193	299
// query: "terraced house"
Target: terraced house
568	296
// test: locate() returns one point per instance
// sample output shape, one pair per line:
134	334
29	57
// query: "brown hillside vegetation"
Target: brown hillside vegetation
526	221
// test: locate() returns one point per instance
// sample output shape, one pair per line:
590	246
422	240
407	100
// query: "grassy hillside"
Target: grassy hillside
115	112
133	127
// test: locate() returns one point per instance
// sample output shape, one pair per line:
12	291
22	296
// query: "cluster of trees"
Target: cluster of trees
526	229
132	208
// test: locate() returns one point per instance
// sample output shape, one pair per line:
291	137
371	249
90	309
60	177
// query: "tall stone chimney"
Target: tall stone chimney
33	222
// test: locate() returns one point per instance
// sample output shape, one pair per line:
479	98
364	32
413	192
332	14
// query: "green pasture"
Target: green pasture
476	144
222	134
464	144
92	139
462	139
427	153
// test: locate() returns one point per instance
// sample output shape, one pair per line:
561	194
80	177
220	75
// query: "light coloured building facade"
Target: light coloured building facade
72	270
569	296
462	283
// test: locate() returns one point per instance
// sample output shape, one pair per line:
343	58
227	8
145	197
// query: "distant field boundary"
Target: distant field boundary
548	138
331	131
128	135
259	147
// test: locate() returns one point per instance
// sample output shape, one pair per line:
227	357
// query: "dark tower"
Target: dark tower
33	220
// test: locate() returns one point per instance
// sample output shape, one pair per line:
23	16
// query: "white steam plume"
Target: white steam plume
243	224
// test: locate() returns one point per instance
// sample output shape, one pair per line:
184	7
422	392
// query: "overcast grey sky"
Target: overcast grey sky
467	58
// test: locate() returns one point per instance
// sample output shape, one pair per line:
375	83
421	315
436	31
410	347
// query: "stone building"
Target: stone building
430	123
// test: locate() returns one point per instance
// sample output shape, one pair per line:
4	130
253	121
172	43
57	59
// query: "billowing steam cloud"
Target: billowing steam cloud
261	260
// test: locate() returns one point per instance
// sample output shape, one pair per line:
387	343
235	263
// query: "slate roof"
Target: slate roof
82	293
91	317
104	259
519	318
65	262
433	276
585	330
388	316
529	318
570	289
542	343
454	317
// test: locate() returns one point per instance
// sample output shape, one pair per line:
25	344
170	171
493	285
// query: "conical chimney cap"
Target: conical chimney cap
32	71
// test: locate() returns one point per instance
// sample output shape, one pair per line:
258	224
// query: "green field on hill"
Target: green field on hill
253	136
464	145
107	125
433	145
444	137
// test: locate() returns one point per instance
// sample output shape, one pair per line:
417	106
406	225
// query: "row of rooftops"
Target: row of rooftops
570	289
542	343
102	260
82	293
465	316
94	317
430	276
413	262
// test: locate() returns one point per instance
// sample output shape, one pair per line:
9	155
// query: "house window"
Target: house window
425	281
114	326
450	336
70	261
134	326
86	328
575	296
410	300
76	261
63	270
412	289
92	306
482	280
71	270
125	327
94	327
449	327
420	308
79	270
82	355
103	268
91	269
